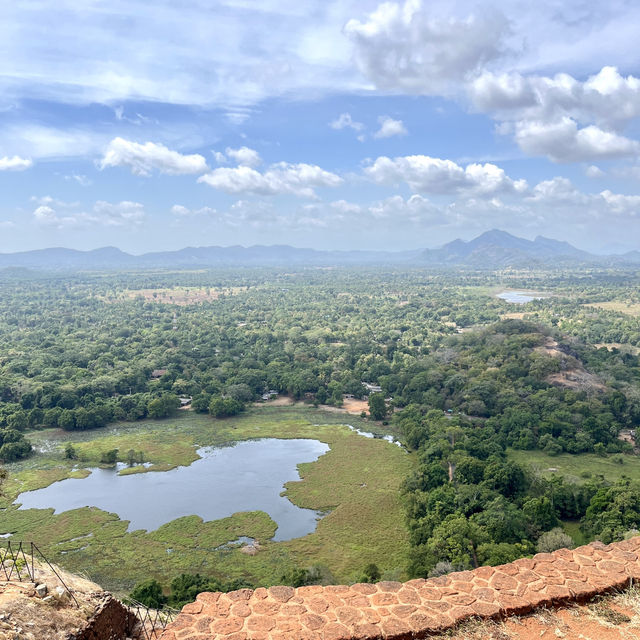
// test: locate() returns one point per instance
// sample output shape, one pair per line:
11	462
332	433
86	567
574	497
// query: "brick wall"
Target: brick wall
414	609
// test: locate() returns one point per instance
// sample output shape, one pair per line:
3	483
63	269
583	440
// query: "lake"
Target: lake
246	476
519	297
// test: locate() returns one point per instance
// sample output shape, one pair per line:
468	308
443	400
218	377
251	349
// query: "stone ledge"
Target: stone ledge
414	609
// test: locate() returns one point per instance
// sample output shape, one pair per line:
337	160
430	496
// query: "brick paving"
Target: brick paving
414	609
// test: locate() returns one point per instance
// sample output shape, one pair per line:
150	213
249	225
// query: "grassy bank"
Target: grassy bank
357	481
579	468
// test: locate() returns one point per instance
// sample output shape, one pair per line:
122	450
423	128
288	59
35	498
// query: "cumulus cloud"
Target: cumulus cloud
390	127
60	215
435	175
142	159
561	117
416	209
402	46
345	120
181	211
564	141
561	197
557	190
606	98
244	157
280	178
15	163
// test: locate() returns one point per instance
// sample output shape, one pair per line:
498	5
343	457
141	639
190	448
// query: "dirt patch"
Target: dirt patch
250	549
550	348
351	406
610	619
576	379
356	407
280	401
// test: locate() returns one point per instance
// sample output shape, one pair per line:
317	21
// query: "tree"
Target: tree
220	407
377	406
149	593
70	452
109	457
371	573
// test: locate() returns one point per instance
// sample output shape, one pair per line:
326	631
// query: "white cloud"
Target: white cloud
403	46
105	214
37	141
181	211
81	179
299	179
345	120
390	127
621	204
434	175
7	224
561	117
261	49
244	157
416	210
15	163
346	207
142	159
564	141
592	171
606	98
557	190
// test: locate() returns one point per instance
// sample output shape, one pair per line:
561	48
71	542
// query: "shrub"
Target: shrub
554	539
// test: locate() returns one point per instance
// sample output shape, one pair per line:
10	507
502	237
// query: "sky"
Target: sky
327	124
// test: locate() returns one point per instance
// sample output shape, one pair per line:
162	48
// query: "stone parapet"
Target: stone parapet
414	609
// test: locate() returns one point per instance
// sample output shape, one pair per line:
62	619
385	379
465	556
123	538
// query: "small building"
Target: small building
185	402
158	373
372	388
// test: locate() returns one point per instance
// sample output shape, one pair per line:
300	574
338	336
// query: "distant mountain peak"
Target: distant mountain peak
497	248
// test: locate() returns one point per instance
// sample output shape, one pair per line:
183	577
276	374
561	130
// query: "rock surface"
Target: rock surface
46	611
414	609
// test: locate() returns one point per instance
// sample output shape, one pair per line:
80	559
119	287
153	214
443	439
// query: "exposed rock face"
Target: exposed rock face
412	609
47	611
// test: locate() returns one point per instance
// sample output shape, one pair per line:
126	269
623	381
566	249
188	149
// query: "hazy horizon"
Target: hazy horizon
300	247
337	125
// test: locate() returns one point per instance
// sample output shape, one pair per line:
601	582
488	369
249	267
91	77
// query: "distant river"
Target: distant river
519	297
248	476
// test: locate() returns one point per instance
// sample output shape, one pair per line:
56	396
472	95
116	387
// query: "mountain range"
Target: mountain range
493	249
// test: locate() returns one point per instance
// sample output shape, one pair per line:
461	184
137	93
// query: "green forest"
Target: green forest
464	380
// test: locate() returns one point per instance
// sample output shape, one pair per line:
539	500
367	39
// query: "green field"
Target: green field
356	481
579	468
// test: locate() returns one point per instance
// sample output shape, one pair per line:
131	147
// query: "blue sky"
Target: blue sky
346	124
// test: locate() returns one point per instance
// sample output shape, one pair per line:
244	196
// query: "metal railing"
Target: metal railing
150	623
17	562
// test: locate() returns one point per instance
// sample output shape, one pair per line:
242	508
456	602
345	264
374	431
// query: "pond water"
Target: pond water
247	476
519	297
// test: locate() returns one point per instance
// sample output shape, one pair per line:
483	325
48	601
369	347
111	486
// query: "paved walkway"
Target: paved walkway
414	609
